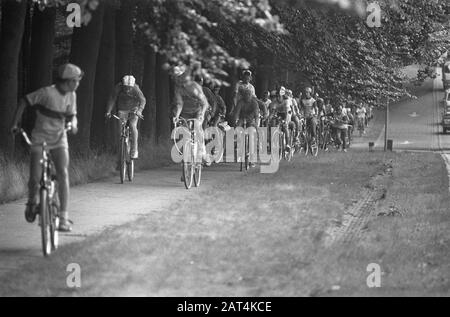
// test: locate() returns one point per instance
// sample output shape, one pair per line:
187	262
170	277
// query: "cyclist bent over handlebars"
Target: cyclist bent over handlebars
130	102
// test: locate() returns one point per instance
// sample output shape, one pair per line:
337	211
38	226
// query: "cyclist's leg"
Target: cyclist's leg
313	127
338	136
343	133
133	122
61	159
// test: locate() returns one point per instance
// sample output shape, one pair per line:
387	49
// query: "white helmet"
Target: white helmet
129	80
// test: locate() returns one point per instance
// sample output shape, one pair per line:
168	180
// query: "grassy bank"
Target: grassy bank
264	235
14	172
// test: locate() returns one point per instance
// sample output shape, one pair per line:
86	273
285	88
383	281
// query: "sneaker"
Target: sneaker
65	225
344	150
31	212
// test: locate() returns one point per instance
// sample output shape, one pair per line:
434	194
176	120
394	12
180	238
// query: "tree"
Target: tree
149	90
84	53
125	33
102	135
42	38
12	27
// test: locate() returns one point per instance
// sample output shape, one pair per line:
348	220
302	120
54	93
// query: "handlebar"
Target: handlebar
28	140
129	115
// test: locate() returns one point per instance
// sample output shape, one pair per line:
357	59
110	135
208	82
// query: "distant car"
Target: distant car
446	122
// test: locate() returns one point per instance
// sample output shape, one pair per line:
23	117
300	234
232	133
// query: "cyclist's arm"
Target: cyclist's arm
142	100
178	104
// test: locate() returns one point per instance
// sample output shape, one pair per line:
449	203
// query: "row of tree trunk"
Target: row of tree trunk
104	49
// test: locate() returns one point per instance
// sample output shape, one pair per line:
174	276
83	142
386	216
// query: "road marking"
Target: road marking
414	115
405	143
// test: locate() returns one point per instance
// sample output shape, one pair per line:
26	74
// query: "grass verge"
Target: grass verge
263	235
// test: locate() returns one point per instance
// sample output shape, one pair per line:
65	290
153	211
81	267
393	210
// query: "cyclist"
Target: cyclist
221	107
212	101
246	108
340	126
281	109
309	108
295	114
190	102
242	86
264	104
55	109
361	118
129	100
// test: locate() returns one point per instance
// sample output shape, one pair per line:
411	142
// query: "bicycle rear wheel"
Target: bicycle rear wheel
44	218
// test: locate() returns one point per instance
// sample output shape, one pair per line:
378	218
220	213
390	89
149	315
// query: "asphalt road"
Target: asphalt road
414	125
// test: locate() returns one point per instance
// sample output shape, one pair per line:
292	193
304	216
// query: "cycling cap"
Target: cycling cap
282	91
308	89
70	71
129	80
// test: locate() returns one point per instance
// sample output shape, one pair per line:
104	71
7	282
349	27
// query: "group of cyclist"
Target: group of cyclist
56	110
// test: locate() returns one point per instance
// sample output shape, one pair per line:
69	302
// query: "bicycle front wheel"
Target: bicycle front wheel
130	170
44	218
189	167
54	224
123	164
198	174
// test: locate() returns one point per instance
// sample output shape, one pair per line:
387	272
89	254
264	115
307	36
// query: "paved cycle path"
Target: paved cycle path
95	207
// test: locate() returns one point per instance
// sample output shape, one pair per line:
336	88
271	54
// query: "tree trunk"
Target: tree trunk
162	100
149	90
85	49
42	37
25	55
102	135
124	39
12	20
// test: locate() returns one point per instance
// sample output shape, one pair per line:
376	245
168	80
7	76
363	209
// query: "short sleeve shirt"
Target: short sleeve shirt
48	128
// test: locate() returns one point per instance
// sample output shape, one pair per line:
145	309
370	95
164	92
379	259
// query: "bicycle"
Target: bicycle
49	205
192	165
283	153
126	163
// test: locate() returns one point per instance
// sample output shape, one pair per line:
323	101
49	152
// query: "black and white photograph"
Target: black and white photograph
224	154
